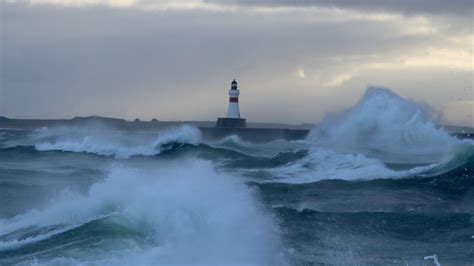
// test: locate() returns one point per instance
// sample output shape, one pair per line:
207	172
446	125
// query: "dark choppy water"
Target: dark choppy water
376	185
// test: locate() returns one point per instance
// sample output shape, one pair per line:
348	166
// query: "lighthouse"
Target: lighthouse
233	118
233	109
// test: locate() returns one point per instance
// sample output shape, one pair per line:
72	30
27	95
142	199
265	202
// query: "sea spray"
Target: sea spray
173	214
382	136
385	126
108	142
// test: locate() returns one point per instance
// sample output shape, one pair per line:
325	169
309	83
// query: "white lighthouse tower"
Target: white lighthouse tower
233	110
233	118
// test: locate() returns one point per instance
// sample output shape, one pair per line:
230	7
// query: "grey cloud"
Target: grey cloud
409	7
61	62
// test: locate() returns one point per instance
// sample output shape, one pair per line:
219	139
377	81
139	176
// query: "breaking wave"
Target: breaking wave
385	126
382	136
107	142
159	214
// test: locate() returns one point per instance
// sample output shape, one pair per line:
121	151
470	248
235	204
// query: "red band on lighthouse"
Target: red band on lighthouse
233	100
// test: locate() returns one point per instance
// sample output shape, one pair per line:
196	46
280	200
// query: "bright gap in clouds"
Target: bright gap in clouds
142	4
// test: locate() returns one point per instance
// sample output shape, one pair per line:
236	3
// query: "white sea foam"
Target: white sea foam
265	149
195	215
358	143
322	164
434	258
103	141
385	126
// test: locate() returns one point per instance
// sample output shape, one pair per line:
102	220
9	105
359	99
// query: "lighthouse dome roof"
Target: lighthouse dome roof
234	82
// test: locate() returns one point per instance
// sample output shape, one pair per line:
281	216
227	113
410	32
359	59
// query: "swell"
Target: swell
44	242
348	238
229	157
449	191
105	141
296	161
295	166
171	213
277	161
406	226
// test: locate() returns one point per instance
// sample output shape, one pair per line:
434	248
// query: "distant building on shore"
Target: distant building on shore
233	118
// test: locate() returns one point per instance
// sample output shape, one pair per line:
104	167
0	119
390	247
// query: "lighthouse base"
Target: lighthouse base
231	122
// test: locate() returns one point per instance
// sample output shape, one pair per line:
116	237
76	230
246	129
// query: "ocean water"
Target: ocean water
378	184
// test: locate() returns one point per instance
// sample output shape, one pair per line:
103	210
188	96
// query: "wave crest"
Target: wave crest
385	126
181	214
108	142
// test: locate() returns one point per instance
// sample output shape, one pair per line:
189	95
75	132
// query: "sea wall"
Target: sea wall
254	134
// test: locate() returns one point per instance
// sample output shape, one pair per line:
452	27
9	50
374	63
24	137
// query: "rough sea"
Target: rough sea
377	184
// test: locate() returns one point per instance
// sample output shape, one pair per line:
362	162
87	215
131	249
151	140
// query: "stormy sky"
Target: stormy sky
174	59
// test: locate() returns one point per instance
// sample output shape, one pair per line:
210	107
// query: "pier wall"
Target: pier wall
254	134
